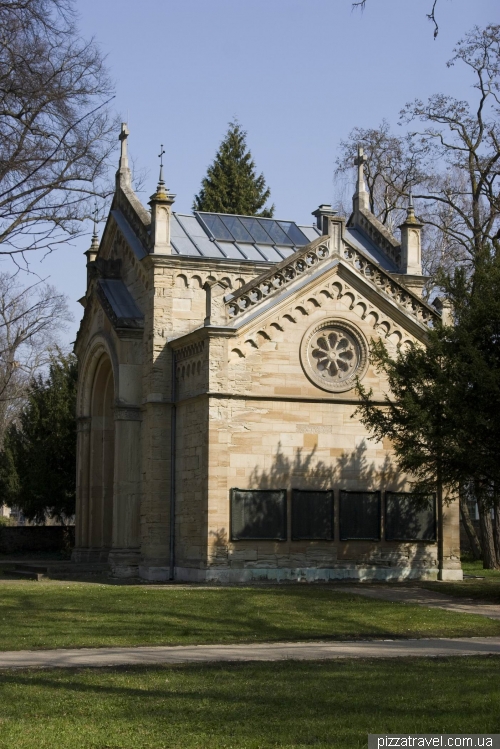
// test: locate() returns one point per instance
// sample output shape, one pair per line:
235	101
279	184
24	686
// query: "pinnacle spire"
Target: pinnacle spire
94	245
410	214
361	194
123	174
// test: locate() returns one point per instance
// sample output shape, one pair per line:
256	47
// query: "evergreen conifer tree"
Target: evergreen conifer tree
442	410
38	461
231	184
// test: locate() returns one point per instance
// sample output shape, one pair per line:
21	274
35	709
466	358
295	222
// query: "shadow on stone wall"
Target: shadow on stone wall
350	470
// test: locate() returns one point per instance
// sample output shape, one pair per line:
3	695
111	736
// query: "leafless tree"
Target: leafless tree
463	140
395	165
56	129
31	320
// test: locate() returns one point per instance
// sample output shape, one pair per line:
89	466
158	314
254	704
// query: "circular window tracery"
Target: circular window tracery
333	354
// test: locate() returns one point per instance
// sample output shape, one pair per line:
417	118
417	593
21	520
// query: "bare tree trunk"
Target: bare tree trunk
474	542
488	542
496	529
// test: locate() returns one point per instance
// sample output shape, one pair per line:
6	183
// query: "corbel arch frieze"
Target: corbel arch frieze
184	279
100	344
116	244
332	290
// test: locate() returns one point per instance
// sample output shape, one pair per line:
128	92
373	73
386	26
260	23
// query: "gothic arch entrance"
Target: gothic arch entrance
101	463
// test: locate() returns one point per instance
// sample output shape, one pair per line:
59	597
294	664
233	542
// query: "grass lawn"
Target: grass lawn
487	590
53	615
253	705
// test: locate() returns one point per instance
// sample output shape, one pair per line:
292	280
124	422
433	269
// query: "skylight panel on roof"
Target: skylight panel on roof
256	230
264	231
275	232
216	227
236	228
293	233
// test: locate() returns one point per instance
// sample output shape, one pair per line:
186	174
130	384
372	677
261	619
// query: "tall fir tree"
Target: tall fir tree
38	461
231	184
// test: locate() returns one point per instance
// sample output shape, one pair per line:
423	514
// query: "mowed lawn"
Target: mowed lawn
486	589
55	615
248	706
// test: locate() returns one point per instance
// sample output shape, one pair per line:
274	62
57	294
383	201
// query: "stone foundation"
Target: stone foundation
307	574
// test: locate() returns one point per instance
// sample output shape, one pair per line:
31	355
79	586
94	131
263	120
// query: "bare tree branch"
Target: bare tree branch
361	4
432	17
31	320
56	129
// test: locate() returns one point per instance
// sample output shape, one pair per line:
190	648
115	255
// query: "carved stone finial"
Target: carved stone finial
410	211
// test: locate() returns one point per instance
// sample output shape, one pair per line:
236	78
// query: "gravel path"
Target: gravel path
279	651
423	597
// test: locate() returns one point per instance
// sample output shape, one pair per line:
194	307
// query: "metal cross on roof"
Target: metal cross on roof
94	214
361	158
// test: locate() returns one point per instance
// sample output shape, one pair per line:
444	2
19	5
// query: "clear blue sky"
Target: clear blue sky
298	74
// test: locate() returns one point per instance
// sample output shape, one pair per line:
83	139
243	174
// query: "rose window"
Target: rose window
333	354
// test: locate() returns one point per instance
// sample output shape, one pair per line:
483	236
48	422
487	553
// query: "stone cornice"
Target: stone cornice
185	262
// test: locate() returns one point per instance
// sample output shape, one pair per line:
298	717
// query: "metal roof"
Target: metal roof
360	241
119	303
222	235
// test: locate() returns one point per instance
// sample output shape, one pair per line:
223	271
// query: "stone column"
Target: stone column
449	541
82	488
125	551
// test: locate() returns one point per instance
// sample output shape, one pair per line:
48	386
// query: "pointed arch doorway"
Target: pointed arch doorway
101	462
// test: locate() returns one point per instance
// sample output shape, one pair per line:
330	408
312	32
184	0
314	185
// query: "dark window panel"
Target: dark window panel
312	515
255	229
294	234
409	518
236	228
359	516
216	227
275	232
258	515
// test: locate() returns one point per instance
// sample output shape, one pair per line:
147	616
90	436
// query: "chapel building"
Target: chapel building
217	434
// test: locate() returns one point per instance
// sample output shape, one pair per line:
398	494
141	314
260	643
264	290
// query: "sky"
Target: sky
298	75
